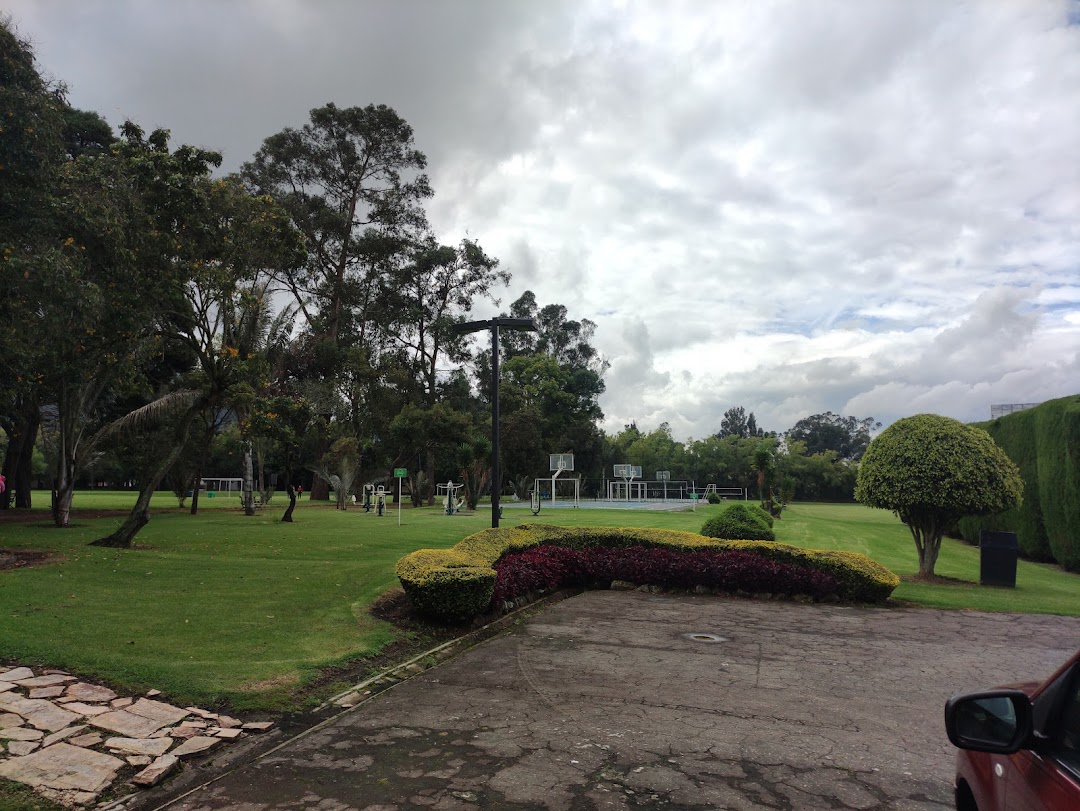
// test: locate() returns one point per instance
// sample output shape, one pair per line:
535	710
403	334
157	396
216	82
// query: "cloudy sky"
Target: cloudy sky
863	207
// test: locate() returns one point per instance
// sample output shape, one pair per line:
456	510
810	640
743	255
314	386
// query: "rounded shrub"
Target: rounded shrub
739	522
766	516
713	498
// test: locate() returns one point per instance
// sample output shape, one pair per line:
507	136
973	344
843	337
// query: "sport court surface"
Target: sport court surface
632	700
600	504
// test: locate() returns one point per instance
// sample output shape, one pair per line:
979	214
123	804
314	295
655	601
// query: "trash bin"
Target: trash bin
998	552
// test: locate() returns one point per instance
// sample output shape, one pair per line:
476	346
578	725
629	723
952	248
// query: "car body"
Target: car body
1019	745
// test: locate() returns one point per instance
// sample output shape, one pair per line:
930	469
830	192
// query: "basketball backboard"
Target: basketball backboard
560	461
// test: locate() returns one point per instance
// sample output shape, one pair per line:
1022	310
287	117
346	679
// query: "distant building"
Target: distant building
1001	409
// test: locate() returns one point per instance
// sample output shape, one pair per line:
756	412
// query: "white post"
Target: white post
399	501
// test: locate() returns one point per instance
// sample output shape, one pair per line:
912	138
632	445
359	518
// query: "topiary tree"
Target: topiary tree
931	471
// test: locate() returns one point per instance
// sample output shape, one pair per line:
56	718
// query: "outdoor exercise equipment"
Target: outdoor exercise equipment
380	500
369	497
534	497
449	493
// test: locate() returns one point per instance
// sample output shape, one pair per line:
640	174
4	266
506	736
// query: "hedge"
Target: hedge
459	583
740	522
547	567
1044	442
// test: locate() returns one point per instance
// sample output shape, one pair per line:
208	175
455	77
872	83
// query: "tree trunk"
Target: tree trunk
249	483
64	485
928	542
287	518
18	466
320	490
140	513
429	465
198	473
195	491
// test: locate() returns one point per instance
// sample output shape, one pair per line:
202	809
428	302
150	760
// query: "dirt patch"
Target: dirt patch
13	516
394	607
22	558
936	580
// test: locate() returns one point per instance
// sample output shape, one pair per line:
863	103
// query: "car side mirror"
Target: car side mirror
996	721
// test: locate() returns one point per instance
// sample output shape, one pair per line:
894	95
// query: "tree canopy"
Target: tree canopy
847	437
931	471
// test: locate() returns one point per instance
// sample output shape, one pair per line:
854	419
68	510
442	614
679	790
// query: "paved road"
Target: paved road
606	701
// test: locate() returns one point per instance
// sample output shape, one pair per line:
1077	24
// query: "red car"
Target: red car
1019	747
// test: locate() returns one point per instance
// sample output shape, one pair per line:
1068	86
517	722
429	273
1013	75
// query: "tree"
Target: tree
734	423
549	396
752	426
437	288
39	137
282	418
656	450
220	312
437	432
931	471
764	466
31	154
353	183
548	408
848	436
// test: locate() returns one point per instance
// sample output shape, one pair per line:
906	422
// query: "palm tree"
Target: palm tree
229	334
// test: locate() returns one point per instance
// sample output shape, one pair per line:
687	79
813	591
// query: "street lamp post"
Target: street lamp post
493	324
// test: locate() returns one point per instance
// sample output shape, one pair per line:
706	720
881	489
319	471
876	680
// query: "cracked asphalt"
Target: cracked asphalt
606	701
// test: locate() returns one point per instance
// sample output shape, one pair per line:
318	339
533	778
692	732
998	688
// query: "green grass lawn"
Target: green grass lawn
224	607
1040	588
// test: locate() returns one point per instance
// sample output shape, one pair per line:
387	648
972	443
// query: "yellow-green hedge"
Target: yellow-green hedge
457	583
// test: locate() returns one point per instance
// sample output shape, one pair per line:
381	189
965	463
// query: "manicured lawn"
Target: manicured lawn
1040	588
222	607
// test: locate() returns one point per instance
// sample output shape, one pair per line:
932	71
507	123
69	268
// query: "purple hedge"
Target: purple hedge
549	567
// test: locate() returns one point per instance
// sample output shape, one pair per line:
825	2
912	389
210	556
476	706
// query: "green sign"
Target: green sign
401	473
694	496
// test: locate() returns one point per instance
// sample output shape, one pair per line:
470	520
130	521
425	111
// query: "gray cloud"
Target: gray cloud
859	207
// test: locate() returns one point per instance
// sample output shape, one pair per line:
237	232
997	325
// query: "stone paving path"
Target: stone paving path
71	740
641	702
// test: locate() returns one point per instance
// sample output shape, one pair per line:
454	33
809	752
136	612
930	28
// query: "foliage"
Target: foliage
931	471
654	451
435	432
736	422
714	498
548	567
458	583
549	396
847	437
740	522
765	468
1042	442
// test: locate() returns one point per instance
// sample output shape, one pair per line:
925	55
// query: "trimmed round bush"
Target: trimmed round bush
740	522
766	516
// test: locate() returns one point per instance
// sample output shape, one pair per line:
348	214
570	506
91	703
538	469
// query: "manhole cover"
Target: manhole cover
705	637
